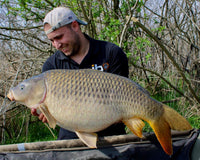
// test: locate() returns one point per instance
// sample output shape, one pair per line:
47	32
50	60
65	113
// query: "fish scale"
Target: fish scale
87	101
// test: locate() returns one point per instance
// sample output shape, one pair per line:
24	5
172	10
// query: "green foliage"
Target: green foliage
111	31
194	121
17	131
36	132
39	132
163	93
140	5
159	29
141	45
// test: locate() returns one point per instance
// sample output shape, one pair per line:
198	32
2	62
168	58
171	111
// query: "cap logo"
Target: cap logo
70	17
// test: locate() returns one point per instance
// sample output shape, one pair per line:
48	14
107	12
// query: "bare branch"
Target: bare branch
21	29
126	24
169	56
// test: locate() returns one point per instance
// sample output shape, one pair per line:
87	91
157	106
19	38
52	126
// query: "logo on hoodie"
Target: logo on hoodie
103	67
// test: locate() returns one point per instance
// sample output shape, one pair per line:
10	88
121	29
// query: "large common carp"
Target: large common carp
87	101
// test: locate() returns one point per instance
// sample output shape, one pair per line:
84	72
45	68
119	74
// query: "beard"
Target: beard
76	44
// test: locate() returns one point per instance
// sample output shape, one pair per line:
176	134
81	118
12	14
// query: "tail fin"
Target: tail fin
175	120
170	120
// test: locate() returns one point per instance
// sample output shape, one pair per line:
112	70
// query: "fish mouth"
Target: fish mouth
10	96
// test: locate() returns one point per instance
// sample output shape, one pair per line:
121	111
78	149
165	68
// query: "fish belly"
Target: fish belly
87	116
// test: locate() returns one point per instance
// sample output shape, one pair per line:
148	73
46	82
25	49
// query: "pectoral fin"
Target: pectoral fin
135	125
90	139
50	118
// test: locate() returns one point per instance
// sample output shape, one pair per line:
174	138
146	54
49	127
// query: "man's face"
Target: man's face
64	39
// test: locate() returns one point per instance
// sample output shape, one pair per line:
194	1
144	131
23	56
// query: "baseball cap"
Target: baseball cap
59	17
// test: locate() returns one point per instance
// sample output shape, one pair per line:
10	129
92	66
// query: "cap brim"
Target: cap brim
81	22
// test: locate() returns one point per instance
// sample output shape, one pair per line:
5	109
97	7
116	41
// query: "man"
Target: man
77	50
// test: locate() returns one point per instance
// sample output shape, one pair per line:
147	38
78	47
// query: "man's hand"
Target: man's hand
40	116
